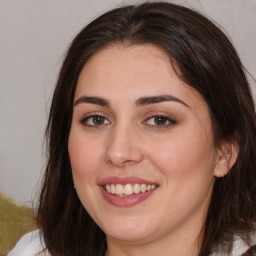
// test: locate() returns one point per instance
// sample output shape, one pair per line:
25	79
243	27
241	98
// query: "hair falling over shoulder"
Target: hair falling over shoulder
206	60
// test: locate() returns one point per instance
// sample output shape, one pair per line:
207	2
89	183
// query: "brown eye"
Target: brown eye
95	121
98	120
160	121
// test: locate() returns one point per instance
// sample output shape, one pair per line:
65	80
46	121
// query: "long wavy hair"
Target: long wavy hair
206	60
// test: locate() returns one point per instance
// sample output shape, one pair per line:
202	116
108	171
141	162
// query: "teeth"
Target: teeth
143	188
136	189
112	189
128	189
108	188
119	189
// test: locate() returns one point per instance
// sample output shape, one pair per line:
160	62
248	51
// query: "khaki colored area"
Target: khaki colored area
15	221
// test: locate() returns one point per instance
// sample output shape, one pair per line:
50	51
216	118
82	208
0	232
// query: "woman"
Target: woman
150	141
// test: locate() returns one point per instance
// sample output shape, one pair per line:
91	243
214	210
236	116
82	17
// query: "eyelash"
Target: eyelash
164	118
91	118
85	120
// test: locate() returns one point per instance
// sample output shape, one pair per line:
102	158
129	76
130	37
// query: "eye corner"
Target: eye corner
160	121
95	120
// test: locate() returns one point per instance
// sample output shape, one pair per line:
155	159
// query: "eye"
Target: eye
160	121
95	120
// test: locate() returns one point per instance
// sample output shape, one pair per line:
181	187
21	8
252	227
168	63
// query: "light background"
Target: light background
33	37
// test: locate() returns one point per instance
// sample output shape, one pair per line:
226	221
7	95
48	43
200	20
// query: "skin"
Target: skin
179	156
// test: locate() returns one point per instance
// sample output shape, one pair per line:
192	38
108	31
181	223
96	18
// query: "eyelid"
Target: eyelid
91	115
170	118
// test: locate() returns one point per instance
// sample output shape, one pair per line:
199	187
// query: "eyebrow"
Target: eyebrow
157	99
148	100
93	100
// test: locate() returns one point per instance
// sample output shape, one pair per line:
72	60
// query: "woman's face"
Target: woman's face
141	146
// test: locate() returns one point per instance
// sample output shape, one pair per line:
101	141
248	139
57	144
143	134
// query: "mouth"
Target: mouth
128	189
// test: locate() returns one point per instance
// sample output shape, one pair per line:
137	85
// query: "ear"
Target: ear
226	157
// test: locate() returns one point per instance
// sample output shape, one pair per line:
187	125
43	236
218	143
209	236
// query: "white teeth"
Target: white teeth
112	189
128	189
119	189
153	186
136	189
143	188
108	188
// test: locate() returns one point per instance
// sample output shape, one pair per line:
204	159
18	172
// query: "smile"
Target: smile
128	189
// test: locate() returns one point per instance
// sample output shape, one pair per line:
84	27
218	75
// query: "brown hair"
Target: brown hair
207	61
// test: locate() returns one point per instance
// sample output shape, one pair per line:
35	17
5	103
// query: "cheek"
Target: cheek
184	153
84	156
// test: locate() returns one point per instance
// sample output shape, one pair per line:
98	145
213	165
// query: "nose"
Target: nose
123	147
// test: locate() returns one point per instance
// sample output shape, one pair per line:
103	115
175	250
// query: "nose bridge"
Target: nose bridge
122	145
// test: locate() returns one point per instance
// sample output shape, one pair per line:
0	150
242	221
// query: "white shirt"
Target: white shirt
31	245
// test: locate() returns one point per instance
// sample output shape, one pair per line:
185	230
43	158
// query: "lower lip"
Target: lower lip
125	201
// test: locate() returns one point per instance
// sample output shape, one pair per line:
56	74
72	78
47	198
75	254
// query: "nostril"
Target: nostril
121	153
121	163
128	161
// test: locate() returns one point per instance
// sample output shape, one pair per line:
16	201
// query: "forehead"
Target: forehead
121	71
121	63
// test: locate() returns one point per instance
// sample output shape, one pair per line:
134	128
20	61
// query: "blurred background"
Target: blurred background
34	35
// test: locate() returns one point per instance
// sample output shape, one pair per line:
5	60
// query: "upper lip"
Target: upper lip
123	180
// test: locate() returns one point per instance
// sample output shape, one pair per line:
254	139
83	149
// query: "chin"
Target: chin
128	230
128	236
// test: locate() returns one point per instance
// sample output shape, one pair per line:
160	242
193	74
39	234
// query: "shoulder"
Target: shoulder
243	249
240	247
29	245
